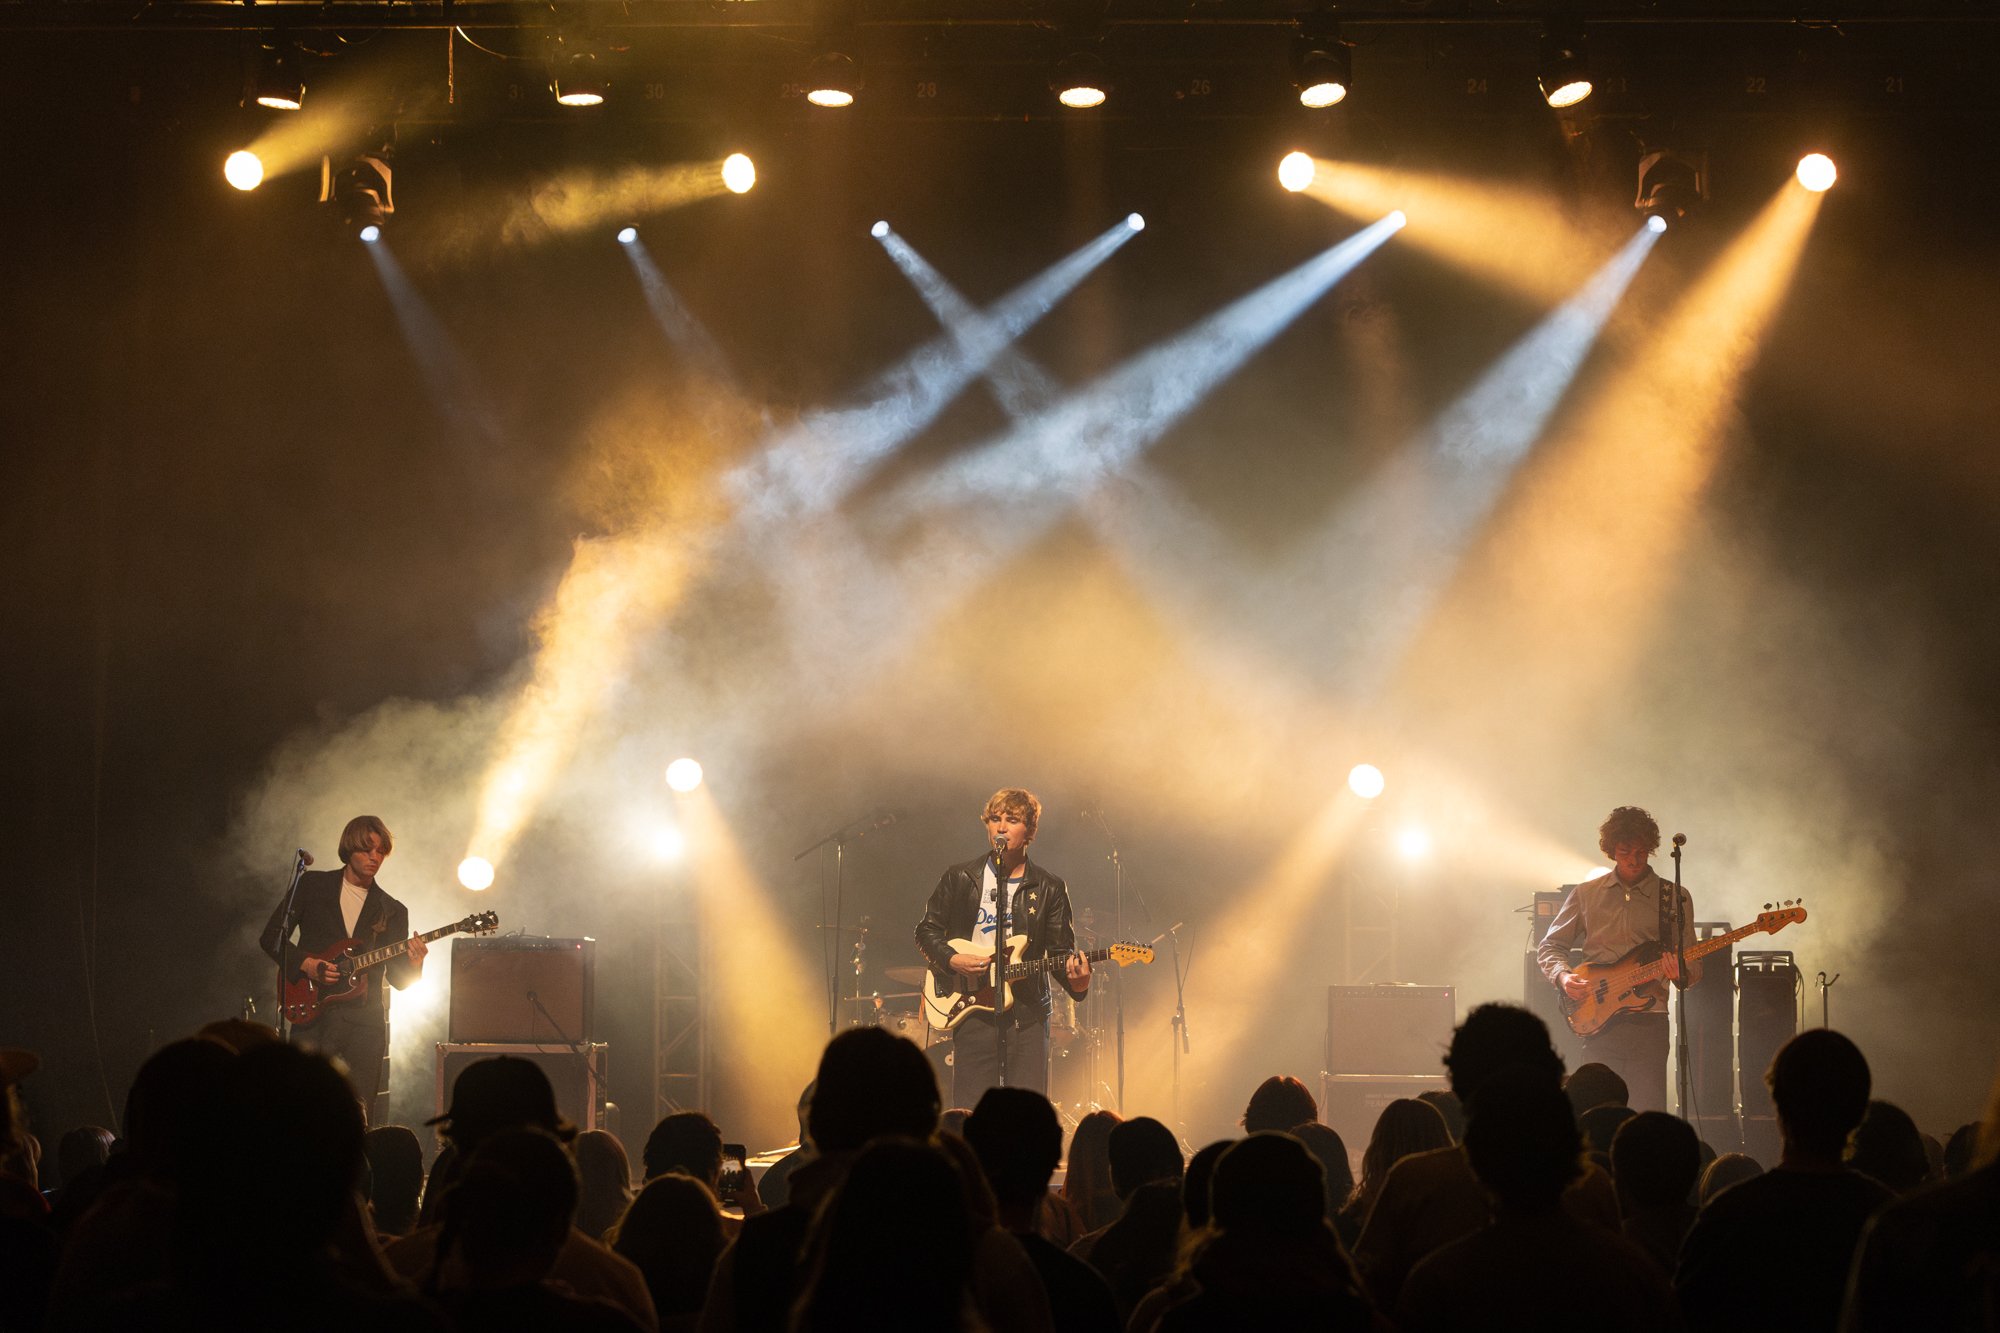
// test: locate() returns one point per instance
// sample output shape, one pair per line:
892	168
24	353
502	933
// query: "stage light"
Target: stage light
277	84
627	235
362	191
1397	219
684	775
879	230
1413	842
1672	184
1134	222
1080	81
371	233
669	843
1816	172
1564	73
1322	69
1656	224
1366	781
739	173
578	82
833	80
243	169
1296	171
475	873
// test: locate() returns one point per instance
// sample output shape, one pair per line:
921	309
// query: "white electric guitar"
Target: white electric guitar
952	996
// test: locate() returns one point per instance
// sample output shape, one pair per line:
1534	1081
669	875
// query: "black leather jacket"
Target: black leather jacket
1040	910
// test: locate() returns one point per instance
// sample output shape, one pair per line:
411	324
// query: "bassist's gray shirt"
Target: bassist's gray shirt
1608	920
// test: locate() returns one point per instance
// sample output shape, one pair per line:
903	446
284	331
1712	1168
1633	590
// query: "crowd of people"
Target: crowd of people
246	1189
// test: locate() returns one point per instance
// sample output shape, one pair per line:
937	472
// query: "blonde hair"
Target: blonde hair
354	838
1014	801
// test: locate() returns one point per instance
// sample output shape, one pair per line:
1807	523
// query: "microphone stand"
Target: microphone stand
576	1049
1181	1046
1118	928
287	922
1677	916
829	948
1001	920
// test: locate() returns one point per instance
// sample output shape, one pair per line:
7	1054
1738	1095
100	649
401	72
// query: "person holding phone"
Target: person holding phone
690	1143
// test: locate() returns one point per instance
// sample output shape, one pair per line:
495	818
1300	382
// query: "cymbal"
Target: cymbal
909	976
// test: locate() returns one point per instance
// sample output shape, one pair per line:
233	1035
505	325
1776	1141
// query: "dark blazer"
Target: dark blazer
383	920
1040	910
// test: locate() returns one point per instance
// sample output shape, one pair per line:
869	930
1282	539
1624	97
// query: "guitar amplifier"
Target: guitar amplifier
1389	1028
576	1075
523	988
1352	1103
1767	1016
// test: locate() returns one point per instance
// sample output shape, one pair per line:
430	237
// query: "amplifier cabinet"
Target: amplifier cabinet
1352	1103
576	1075
1391	1028
516	988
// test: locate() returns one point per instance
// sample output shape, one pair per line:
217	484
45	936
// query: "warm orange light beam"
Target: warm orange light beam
1515	237
1542	609
765	996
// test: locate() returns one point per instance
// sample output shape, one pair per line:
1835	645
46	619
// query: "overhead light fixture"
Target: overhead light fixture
739	173
577	81
833	80
1564	71
1322	66
1081	80
1672	184
277	83
361	190
1296	171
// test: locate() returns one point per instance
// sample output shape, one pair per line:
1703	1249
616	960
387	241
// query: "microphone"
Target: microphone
305	857
1680	839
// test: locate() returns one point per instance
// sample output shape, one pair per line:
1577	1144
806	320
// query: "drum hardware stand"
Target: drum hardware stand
1181	1047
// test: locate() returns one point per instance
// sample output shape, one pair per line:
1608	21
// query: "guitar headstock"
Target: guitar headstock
1777	918
1125	954
480	923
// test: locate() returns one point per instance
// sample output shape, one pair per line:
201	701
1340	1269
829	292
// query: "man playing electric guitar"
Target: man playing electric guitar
963	906
1609	917
334	906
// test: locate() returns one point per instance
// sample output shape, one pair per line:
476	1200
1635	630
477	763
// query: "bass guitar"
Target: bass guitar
305	998
949	999
1634	981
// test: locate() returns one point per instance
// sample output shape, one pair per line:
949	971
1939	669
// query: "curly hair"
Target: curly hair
1628	823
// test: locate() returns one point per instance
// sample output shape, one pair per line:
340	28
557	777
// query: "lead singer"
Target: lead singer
965	906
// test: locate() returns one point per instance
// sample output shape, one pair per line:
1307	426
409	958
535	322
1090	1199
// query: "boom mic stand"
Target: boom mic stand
1118	933
1181	1047
287	922
852	831
1678	918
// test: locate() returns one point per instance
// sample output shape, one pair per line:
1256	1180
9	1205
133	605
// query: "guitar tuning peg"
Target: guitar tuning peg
1767	907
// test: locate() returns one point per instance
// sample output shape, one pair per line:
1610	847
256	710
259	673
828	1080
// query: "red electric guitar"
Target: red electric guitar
305	998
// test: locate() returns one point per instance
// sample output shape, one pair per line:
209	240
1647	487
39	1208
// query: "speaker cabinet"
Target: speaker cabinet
1390	1028
1711	1019
523	989
1352	1103
1767	986
576	1075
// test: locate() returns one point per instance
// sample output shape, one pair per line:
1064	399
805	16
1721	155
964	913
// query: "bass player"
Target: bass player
332	907
1609	917
963	906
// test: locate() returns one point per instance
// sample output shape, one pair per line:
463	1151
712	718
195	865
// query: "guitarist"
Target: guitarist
337	905
1609	917
963	906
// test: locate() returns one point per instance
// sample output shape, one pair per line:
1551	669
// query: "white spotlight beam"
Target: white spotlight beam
681	327
1020	386
811	466
1344	607
454	389
1097	431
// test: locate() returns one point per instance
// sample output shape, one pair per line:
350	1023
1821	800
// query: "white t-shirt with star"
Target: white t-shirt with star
982	929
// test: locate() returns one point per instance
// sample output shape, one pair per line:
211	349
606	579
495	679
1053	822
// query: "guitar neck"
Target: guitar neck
1657	968
388	951
1018	971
